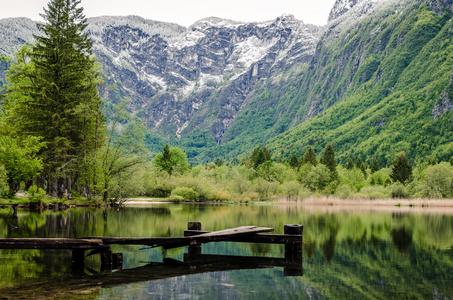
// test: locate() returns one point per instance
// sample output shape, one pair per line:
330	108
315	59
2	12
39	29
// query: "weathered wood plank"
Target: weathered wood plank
257	238
242	230
50	243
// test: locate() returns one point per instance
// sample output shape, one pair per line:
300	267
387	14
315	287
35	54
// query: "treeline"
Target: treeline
258	178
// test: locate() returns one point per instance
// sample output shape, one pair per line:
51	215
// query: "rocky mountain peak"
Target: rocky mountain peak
340	8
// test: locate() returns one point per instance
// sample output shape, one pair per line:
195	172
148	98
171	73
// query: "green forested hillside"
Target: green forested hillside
376	87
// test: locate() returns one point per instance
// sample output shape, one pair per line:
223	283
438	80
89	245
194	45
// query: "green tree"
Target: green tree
294	162
309	157
123	150
438	181
350	164
171	160
316	178
374	167
401	170
19	160
52	90
260	156
328	159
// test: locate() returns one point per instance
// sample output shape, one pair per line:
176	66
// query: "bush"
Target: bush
438	181
343	191
220	195
35	194
374	192
399	190
187	194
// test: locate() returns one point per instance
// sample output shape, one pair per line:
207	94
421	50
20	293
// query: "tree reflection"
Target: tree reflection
402	239
328	247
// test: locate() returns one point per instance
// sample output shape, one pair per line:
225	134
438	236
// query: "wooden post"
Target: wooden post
194	247
78	261
294	229
111	261
293	251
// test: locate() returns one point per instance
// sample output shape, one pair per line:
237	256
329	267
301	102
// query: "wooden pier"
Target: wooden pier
193	237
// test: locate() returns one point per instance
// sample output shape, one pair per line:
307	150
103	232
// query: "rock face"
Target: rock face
200	76
340	8
445	103
178	79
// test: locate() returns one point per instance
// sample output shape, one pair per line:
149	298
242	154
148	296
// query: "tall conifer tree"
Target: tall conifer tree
328	159
401	169
61	102
309	157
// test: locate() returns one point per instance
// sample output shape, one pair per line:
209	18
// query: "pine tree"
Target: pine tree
294	162
401	170
350	164
309	157
328	159
374	167
260	156
59	100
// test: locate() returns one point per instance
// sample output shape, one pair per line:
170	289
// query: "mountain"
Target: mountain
379	84
375	81
187	82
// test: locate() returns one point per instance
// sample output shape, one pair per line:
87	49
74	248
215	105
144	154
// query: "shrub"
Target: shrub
399	190
374	192
344	191
438	181
35	194
220	195
187	194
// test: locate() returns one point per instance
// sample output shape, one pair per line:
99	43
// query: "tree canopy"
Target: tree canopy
171	160
51	94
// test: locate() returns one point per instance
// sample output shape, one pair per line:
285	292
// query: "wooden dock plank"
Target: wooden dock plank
242	230
257	238
51	243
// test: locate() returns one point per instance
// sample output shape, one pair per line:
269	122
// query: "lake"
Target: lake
347	254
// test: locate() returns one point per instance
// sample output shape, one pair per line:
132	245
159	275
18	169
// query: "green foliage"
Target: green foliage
19	159
382	76
374	167
316	178
35	194
294	162
328	159
260	156
350	164
354	178
171	160
122	151
438	181
4	188
187	194
51	94
401	170
309	157
399	190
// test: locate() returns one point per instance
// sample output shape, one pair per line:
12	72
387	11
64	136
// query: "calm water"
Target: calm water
346	255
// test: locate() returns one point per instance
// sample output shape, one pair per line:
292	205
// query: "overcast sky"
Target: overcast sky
184	12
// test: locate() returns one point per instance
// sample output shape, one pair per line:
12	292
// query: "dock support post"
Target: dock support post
293	251
194	247
111	261
78	261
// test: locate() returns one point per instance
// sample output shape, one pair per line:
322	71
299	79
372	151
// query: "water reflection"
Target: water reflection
347	254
